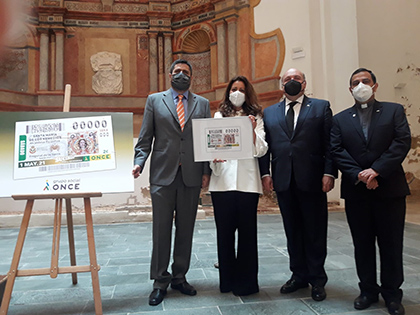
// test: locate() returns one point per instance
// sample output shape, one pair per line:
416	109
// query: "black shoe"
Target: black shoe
362	302
184	288
395	308
318	293
292	285
156	297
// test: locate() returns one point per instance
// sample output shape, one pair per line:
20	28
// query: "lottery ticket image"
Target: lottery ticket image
223	138
64	145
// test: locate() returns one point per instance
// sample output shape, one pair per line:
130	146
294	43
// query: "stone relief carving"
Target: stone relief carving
83	6
108	76
186	5
130	8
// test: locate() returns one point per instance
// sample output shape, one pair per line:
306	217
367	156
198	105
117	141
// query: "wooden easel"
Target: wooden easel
54	269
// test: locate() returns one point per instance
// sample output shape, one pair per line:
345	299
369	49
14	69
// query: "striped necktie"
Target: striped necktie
180	111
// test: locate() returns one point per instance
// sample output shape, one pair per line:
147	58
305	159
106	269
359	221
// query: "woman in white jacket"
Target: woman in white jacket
235	187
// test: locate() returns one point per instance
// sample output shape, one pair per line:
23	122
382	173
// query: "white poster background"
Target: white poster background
227	138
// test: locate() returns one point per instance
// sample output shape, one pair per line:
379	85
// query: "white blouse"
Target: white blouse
240	175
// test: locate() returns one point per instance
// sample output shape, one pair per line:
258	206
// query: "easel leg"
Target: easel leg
70	231
92	257
11	276
56	238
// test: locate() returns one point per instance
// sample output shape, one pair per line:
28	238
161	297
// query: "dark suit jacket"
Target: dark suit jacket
387	145
307	154
171	146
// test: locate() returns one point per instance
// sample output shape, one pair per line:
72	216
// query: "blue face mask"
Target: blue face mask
180	82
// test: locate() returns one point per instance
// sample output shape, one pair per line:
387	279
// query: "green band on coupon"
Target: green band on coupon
22	148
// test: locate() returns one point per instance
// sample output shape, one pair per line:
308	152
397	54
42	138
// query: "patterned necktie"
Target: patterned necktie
180	111
290	118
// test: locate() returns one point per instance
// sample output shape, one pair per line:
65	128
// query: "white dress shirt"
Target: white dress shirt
240	175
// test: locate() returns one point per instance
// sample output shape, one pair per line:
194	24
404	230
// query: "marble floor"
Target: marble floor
123	252
413	209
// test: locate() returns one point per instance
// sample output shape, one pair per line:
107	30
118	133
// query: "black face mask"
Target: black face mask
180	82
293	87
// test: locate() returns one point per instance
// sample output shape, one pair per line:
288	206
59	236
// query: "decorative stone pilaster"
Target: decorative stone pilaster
153	62
59	59
168	58
43	59
232	45
161	64
51	62
221	51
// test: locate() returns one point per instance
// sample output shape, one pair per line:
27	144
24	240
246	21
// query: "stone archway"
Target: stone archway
196	49
15	73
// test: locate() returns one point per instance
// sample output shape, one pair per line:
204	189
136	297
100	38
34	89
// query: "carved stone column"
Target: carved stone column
59	59
168	58
161	64
221	51
43	59
51	62
153	62
232	46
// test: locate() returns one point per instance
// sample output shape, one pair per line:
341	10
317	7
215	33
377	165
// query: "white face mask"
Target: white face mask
362	92
237	98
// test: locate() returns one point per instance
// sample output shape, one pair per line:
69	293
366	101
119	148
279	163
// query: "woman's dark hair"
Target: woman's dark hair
250	107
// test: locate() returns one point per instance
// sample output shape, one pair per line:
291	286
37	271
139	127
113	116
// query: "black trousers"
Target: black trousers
305	219
378	220
237	211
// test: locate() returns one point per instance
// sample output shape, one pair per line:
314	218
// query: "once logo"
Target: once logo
66	186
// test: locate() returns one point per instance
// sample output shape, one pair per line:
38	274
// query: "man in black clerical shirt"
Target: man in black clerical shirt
369	141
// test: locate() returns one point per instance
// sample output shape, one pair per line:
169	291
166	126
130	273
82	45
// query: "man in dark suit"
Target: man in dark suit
175	179
298	136
369	141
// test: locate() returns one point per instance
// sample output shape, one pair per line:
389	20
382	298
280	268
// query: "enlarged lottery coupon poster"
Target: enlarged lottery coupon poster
225	138
53	152
61	146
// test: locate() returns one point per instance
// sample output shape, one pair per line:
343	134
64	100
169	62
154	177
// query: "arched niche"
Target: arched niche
195	45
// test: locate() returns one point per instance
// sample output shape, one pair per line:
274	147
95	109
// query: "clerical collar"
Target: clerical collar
365	105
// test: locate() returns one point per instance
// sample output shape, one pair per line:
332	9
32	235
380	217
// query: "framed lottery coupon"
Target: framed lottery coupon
62	146
55	152
227	138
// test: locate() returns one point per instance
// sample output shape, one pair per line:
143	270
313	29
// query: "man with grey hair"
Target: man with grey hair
298	136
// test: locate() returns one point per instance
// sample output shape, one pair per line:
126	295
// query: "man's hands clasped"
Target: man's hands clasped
368	176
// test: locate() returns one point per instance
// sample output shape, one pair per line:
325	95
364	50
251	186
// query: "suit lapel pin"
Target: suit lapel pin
354	115
377	110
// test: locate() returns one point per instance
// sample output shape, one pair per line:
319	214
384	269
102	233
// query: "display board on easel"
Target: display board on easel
65	152
79	154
